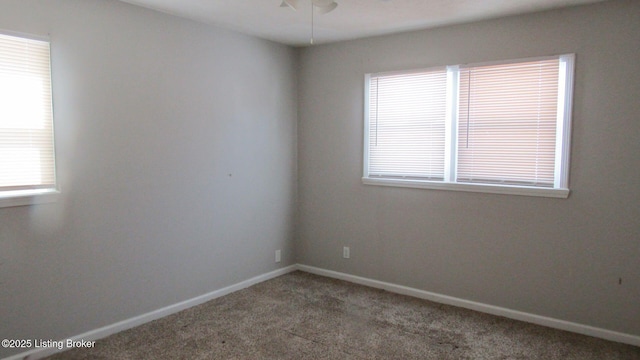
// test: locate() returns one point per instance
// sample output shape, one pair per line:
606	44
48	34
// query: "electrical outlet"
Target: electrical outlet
278	257
346	252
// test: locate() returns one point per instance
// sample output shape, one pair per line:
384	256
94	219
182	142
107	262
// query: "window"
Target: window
27	161
499	128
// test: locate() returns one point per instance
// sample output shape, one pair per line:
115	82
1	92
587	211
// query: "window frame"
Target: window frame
560	187
22	197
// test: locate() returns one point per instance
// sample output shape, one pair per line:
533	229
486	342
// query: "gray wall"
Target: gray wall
554	257
176	149
153	216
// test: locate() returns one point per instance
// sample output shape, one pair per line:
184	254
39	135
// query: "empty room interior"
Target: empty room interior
205	147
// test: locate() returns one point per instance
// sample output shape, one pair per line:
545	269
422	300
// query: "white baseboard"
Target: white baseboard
489	309
153	315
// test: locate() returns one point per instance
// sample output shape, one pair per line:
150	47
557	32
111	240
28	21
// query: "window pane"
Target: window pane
507	123
26	119
407	125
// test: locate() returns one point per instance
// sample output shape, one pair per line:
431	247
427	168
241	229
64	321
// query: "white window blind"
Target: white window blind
26	116
407	125
500	127
507	123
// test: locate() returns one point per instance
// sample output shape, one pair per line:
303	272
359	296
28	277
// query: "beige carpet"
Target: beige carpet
304	316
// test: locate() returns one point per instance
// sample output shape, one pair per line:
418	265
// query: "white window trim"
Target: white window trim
480	188
563	140
28	197
563	130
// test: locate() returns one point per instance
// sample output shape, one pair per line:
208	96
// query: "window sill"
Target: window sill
28	197
481	188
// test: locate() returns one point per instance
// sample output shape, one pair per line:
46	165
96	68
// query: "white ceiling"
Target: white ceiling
352	19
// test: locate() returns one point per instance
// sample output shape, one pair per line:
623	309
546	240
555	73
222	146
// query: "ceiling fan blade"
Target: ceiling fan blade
326	8
290	3
322	3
